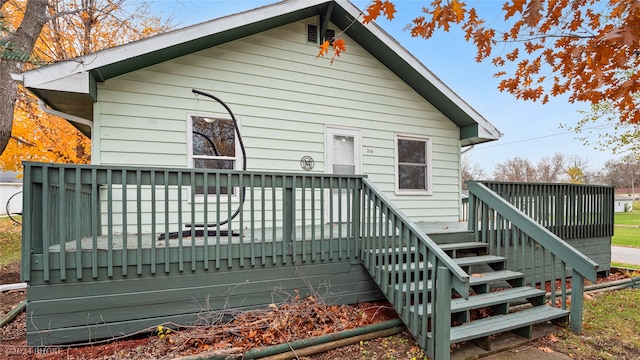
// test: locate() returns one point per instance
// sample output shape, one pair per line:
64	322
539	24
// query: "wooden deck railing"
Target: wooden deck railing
86	223
528	245
81	218
571	211
403	260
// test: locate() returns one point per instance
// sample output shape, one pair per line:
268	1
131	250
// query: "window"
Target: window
213	146
413	165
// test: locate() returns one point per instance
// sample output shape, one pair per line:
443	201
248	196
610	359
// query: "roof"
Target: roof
10	177
70	86
623	197
627	191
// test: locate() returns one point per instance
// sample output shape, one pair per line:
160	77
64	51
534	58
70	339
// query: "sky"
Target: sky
530	130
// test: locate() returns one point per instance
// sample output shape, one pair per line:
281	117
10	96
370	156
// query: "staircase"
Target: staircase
494	290
460	288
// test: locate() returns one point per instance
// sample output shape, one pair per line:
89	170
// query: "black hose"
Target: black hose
244	154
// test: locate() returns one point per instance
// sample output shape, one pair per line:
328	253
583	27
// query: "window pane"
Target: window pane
344	169
214	164
412	177
343	150
213	137
412	151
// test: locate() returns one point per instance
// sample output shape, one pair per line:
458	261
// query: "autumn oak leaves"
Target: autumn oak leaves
586	49
374	10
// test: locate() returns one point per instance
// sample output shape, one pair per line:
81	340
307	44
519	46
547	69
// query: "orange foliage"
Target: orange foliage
587	49
338	47
378	7
76	27
36	136
375	9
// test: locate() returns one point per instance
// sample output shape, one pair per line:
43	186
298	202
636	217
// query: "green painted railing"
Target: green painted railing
86	222
465	209
411	270
529	245
135	221
571	211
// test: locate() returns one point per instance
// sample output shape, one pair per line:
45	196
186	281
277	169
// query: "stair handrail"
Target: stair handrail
388	232
578	261
460	278
582	266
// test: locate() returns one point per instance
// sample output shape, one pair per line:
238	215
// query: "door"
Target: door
342	156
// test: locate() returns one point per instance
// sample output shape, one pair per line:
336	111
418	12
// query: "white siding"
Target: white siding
284	96
7	192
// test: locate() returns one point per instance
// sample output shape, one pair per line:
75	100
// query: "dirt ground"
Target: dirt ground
184	343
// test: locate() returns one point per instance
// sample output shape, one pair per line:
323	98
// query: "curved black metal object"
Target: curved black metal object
240	142
7	209
187	233
235	124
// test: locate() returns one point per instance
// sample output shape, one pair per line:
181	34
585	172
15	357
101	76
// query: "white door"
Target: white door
342	156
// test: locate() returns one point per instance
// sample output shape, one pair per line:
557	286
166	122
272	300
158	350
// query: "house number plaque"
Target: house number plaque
307	162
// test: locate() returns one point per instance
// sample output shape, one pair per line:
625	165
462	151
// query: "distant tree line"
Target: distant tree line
559	168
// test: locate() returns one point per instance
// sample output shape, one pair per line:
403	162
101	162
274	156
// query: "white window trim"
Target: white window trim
428	143
199	198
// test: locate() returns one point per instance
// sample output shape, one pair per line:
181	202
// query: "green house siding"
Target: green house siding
283	97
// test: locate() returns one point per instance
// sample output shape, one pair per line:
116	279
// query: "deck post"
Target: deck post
441	321
287	219
577	302
356	219
29	206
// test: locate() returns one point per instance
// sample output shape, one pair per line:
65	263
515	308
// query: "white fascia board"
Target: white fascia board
489	130
141	47
76	83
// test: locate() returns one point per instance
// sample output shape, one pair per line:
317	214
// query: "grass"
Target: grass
625	266
626	230
10	239
610	330
626	236
628	218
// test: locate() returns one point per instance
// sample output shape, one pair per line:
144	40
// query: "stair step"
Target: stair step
480	259
481	279
471	245
464	246
462	262
501	323
494	277
488	299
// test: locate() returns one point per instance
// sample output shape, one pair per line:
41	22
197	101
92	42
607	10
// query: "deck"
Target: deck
101	262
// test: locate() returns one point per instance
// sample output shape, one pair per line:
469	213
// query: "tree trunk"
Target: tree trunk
23	39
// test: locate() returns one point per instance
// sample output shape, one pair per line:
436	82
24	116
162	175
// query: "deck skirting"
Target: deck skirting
89	311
